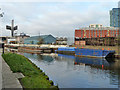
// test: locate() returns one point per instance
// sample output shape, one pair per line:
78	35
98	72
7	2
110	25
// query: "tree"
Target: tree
32	42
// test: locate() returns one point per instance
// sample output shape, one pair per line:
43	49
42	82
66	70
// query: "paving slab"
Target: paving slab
19	75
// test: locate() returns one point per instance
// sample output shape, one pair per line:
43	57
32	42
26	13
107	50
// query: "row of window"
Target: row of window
112	33
108	31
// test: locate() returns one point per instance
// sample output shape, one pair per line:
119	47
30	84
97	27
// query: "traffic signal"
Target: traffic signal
8	27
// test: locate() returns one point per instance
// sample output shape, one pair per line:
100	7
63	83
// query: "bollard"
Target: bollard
3	47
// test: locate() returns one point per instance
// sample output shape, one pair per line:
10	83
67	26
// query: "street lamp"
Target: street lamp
1	15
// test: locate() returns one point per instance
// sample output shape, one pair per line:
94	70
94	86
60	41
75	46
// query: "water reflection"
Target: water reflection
100	63
78	72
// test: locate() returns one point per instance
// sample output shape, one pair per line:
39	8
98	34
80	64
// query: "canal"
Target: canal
76	72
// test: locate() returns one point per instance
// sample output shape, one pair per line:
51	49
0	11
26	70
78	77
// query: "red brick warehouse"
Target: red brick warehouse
94	31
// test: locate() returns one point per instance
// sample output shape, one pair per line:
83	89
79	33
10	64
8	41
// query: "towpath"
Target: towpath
7	77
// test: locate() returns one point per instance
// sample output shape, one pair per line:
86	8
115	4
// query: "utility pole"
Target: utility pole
39	34
12	28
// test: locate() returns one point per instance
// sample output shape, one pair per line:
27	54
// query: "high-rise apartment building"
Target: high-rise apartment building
115	17
119	4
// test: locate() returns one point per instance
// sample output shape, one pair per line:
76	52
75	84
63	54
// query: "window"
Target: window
107	32
116	33
111	32
89	33
97	32
96	26
84	33
100	33
81	33
94	33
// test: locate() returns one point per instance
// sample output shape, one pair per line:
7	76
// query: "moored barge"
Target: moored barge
94	53
86	52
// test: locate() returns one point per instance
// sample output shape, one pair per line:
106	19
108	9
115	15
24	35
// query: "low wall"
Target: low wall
35	45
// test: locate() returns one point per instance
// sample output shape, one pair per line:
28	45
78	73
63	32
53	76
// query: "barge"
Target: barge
94	53
86	52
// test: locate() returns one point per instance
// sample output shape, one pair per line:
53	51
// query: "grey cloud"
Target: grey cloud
59	21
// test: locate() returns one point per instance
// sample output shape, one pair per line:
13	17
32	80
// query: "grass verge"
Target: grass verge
34	77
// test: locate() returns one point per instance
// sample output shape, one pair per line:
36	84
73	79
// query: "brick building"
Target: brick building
96	35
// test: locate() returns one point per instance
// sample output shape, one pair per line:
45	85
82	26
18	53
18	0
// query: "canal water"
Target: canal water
76	72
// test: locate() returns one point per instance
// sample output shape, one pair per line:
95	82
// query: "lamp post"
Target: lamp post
1	15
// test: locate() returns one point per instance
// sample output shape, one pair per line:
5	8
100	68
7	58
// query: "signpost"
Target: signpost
12	28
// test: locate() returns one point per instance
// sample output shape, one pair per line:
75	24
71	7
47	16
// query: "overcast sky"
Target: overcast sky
56	18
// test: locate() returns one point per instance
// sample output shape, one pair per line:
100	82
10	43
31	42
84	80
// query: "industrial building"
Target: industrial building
46	39
95	35
20	38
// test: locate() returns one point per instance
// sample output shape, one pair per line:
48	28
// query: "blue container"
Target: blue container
66	49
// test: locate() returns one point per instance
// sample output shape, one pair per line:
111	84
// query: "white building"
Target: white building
95	25
61	40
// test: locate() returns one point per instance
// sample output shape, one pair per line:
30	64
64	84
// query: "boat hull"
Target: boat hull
94	53
83	52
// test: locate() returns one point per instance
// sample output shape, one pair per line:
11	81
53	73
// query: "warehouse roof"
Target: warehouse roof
37	37
48	39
